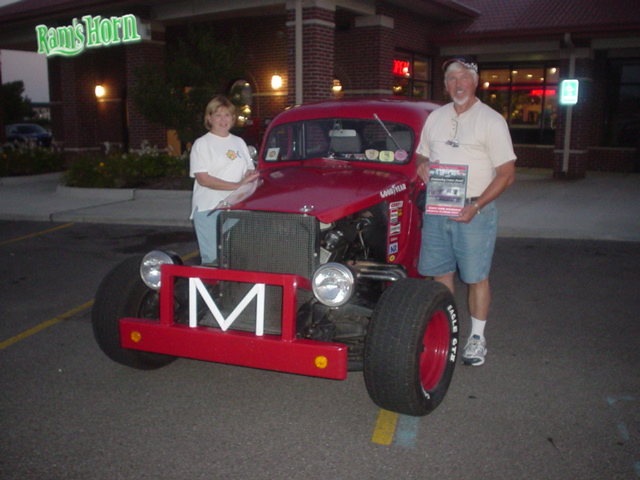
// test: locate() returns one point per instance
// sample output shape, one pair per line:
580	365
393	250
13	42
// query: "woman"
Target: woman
220	163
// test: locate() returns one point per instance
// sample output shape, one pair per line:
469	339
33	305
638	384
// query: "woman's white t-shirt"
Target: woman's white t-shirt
226	158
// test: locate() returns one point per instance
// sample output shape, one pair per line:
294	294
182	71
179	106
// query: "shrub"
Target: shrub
28	159
126	170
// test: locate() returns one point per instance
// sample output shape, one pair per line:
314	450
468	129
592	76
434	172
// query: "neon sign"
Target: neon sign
91	32
400	67
539	93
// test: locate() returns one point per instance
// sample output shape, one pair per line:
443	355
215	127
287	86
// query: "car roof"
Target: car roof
391	109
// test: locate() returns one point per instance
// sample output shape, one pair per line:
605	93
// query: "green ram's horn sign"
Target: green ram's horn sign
88	33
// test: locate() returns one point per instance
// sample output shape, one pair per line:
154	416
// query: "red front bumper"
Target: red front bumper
283	353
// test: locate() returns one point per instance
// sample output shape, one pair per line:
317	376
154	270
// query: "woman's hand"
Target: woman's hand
249	176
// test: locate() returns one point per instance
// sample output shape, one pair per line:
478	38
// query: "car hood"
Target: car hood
327	193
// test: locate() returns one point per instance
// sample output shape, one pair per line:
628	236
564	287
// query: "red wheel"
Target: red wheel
411	347
435	349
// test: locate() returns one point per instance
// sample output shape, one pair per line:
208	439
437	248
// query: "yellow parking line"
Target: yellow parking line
385	428
37	233
44	325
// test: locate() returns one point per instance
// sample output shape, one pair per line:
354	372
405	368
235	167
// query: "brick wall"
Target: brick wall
360	56
141	130
318	50
581	124
608	159
535	156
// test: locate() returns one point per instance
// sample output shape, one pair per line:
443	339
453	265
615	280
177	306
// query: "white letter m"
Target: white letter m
196	285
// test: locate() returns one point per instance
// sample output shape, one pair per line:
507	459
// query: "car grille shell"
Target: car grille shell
268	242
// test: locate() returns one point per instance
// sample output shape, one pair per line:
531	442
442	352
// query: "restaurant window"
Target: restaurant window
527	98
623	117
411	75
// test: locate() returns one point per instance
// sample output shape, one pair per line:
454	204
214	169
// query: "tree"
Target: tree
196	69
16	107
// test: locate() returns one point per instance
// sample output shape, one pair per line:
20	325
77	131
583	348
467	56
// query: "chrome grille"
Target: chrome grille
265	242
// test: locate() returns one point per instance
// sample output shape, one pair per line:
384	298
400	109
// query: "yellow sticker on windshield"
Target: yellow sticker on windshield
386	156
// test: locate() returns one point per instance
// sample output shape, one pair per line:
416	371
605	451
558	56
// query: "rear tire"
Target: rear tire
122	293
411	347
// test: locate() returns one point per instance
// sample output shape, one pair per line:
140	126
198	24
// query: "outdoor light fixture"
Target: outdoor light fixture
337	86
276	81
100	91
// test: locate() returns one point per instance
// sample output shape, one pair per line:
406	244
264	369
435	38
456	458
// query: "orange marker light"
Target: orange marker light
135	336
321	361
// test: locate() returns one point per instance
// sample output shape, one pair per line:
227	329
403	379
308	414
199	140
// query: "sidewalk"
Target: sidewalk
604	206
43	198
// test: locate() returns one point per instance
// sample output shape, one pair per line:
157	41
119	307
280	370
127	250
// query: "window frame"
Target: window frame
412	80
543	132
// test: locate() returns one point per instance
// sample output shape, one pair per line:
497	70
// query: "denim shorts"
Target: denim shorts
207	232
467	247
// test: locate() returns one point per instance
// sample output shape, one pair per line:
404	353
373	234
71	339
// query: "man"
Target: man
466	132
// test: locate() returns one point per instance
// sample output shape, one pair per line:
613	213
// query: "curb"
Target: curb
26	179
140	194
111	194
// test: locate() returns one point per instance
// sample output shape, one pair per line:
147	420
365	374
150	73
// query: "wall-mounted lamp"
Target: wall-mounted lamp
337	86
100	91
276	81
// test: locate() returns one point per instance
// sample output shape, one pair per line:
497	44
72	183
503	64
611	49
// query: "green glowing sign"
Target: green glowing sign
569	92
91	32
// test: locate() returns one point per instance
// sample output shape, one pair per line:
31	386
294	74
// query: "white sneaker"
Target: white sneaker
474	351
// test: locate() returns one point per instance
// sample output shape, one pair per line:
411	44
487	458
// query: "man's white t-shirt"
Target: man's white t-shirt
226	158
483	140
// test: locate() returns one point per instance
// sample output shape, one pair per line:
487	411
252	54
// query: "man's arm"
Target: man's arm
423	167
505	175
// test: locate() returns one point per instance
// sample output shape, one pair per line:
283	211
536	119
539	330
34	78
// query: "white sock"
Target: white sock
477	327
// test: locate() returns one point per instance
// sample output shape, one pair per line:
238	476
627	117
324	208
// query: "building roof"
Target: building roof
511	18
458	20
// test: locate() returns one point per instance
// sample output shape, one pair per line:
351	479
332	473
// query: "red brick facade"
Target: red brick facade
140	130
83	122
346	43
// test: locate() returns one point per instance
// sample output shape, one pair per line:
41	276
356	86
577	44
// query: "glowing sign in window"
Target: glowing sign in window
401	67
539	93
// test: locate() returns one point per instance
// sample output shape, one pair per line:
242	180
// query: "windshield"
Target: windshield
342	138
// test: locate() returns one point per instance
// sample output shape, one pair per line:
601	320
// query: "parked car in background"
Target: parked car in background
29	133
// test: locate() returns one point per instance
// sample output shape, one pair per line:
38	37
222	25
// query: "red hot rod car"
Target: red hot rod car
317	271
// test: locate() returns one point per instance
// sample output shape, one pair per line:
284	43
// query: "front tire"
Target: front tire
411	347
122	293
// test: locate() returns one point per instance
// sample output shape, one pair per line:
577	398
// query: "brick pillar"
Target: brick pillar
581	121
79	120
139	128
318	30
74	112
366	53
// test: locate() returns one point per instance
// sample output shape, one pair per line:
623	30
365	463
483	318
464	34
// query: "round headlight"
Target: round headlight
150	266
333	284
